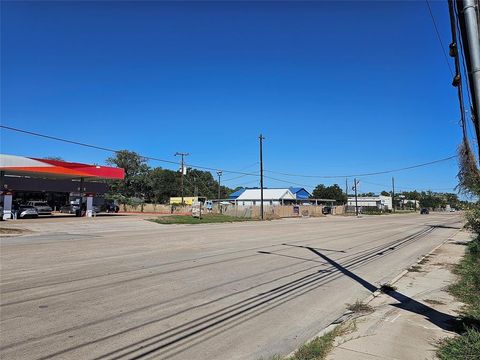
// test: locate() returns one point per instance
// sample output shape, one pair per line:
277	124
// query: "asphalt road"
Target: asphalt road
125	288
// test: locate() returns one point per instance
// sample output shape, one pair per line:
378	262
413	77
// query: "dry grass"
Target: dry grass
359	307
434	302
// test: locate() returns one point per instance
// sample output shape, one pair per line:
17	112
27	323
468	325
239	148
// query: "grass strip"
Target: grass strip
467	290
321	346
206	219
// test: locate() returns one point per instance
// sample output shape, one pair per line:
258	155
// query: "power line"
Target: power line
238	177
79	143
249	166
241	176
439	37
116	151
225	170
288	182
407	187
366	174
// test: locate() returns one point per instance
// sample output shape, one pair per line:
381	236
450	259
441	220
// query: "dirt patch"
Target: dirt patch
415	268
11	232
434	302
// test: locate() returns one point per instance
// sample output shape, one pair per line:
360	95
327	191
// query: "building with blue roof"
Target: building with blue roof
300	193
236	194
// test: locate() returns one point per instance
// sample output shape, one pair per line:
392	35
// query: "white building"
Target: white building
405	203
380	202
270	197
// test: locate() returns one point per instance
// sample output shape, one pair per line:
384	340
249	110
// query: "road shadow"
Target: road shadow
445	227
440	319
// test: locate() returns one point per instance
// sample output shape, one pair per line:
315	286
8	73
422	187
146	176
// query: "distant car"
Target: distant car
424	211
73	208
42	207
69	209
327	210
111	208
26	211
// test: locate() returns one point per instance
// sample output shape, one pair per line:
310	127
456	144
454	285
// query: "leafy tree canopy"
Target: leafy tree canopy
157	185
329	192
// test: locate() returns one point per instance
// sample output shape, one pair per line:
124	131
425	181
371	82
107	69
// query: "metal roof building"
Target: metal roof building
236	194
300	193
270	197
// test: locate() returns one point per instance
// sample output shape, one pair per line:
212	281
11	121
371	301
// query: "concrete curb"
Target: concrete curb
347	315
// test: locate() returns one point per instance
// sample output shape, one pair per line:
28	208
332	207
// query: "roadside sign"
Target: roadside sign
197	209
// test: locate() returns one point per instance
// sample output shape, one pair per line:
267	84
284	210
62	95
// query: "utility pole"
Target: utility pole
261	138
219	173
346	191
356	197
470	8
195	187
393	194
182	167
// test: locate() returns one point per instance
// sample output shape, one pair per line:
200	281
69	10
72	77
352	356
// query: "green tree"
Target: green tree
157	185
368	194
412	195
329	192
135	183
163	185
432	200
205	184
385	193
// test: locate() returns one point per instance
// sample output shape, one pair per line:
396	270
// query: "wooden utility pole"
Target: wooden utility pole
195	187
182	166
356	197
393	194
346	191
261	138
219	173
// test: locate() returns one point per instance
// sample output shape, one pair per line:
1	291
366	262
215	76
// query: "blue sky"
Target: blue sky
335	87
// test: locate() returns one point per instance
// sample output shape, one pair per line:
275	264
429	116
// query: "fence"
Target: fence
280	211
368	210
156	208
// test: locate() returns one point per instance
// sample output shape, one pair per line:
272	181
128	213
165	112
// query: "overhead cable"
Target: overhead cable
230	171
439	38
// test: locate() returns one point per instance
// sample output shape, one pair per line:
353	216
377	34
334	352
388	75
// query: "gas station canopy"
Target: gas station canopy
46	168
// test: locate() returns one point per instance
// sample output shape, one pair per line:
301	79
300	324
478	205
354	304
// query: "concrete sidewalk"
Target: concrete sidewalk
408	323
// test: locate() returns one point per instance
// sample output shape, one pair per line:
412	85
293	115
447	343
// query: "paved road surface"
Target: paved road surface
125	288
